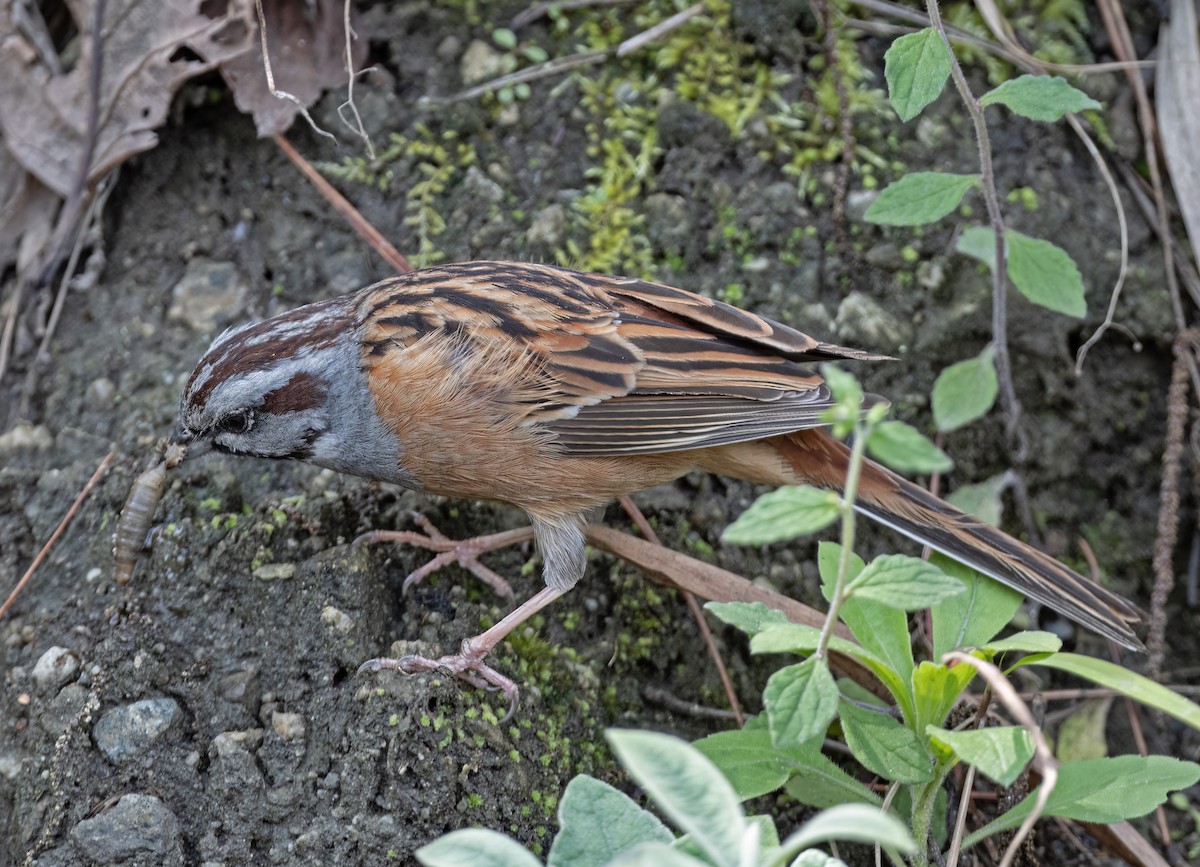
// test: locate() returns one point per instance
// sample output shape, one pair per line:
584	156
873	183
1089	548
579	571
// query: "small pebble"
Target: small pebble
126	732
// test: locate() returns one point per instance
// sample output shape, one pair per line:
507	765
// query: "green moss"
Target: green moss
426	164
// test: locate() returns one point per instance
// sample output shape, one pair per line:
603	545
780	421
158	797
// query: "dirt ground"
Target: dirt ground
217	694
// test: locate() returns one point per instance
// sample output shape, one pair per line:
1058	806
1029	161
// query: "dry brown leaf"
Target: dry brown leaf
151	47
307	54
1177	106
27	212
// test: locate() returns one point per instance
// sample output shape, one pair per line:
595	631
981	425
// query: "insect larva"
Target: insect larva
134	523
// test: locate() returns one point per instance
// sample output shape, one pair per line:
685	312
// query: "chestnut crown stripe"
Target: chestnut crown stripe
255	346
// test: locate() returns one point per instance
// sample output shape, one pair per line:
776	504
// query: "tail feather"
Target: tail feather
813	457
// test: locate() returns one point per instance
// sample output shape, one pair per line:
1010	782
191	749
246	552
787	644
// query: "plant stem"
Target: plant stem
924	798
991	198
857	453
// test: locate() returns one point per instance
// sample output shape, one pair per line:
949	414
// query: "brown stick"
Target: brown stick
717	585
689	597
57	534
341	204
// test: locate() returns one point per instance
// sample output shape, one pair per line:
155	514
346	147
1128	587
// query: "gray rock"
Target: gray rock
861	321
63	709
26	436
137	824
548	228
126	732
480	62
208	293
289	726
55	667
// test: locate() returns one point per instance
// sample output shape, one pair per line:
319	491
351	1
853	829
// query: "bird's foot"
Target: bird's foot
462	552
467	665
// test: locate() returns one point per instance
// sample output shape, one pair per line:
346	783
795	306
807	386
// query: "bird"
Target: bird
557	391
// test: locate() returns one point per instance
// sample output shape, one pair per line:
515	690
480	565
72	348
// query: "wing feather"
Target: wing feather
614	366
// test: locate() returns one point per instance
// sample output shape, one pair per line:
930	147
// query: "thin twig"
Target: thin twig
342	205
357	126
1043	758
573	61
57	534
540	10
276	92
1008	393
693	605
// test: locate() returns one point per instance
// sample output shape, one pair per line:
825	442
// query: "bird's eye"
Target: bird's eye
236	422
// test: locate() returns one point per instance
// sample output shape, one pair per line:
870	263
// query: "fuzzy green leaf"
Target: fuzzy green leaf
884	746
904	583
475	847
686	787
801	702
919	198
783	514
598	822
755	766
982	499
1039	97
1045	274
904	448
916	67
1124	681
1102	791
973	618
965	391
853	822
750	617
999	753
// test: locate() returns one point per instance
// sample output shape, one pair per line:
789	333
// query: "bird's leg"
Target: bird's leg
468	664
461	552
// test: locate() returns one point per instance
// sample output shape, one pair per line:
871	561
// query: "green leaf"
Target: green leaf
1039	97
965	391
904	448
475	847
904	583
1045	274
916	67
801	702
1083	735
824	784
999	753
973	618
1102	791
1027	642
936	690
755	766
686	786
656	855
978	242
844	387
883	746
598	822
795	638
750	617
855	823
505	38
881	629
982	499
1124	681
782	514
919	198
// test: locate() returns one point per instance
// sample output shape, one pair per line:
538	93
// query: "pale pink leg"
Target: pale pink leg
468	664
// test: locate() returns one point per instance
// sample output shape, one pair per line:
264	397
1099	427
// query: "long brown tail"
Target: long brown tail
813	457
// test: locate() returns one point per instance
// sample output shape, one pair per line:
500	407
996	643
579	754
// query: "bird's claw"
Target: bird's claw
462	552
467	665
